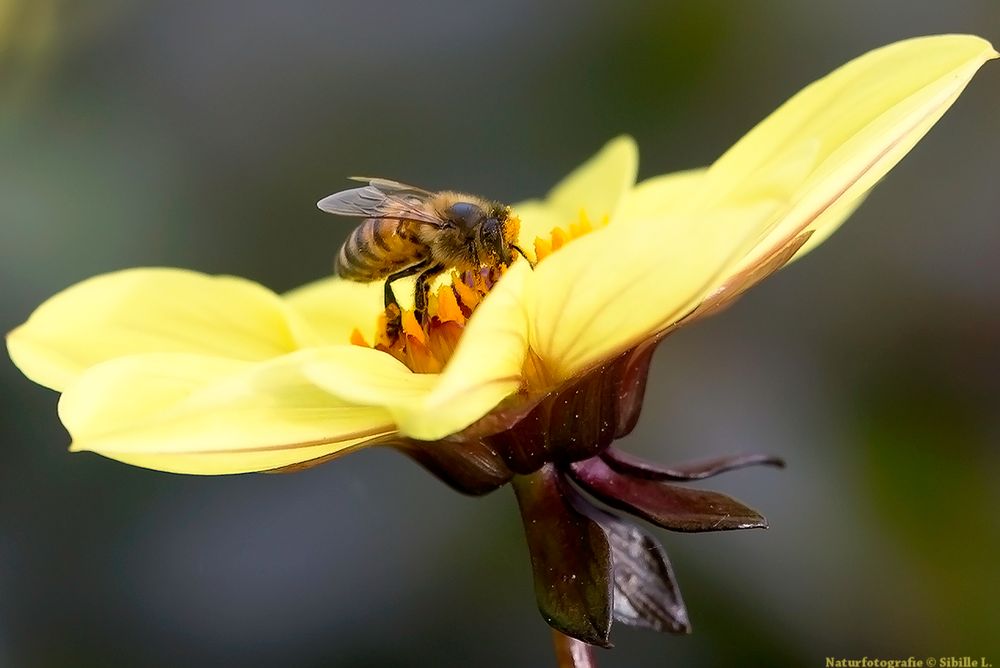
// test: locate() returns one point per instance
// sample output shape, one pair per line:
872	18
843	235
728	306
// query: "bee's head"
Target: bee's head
498	234
489	229
493	240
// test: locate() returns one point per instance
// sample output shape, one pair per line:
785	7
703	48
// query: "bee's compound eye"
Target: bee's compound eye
491	238
465	214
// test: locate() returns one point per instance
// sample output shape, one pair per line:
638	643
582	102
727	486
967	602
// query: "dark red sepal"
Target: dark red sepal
646	591
470	467
570	556
630	465
668	506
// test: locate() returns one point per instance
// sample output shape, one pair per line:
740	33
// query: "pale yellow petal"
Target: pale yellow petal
827	223
597	188
367	376
208	415
853	126
152	310
227	463
744	274
609	290
598	185
335	307
661	196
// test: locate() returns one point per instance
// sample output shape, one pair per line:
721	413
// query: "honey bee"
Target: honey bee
410	231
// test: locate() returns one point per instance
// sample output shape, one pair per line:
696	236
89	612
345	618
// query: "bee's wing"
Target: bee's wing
390	187
382	198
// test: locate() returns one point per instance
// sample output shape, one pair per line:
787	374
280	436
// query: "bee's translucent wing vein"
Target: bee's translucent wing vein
381	198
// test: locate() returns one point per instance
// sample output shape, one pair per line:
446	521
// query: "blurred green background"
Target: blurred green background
201	134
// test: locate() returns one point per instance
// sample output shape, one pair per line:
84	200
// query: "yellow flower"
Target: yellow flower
178	371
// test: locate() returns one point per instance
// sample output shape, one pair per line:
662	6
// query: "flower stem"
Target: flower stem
572	653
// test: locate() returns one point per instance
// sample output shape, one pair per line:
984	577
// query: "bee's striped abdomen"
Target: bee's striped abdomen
376	248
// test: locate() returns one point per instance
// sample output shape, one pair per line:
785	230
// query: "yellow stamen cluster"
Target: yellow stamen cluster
427	348
559	237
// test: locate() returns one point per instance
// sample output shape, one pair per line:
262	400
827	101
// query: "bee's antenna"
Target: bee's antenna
527	259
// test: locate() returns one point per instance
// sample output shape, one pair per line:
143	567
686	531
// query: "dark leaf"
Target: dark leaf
570	557
627	464
668	506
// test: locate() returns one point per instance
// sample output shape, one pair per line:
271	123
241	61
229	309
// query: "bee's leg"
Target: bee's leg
390	296
423	286
394	313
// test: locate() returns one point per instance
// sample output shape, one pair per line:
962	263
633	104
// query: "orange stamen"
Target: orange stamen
559	238
419	357
412	328
448	309
543	248
358	339
469	297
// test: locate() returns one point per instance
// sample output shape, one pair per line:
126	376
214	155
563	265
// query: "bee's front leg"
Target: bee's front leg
422	288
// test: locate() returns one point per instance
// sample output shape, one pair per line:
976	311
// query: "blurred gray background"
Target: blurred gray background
200	134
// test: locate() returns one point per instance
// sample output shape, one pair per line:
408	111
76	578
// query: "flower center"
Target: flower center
427	347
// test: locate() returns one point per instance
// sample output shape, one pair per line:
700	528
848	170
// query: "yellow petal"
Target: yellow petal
597	188
825	224
207	415
619	285
852	127
752	267
152	310
335	307
368	377
661	196
598	185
